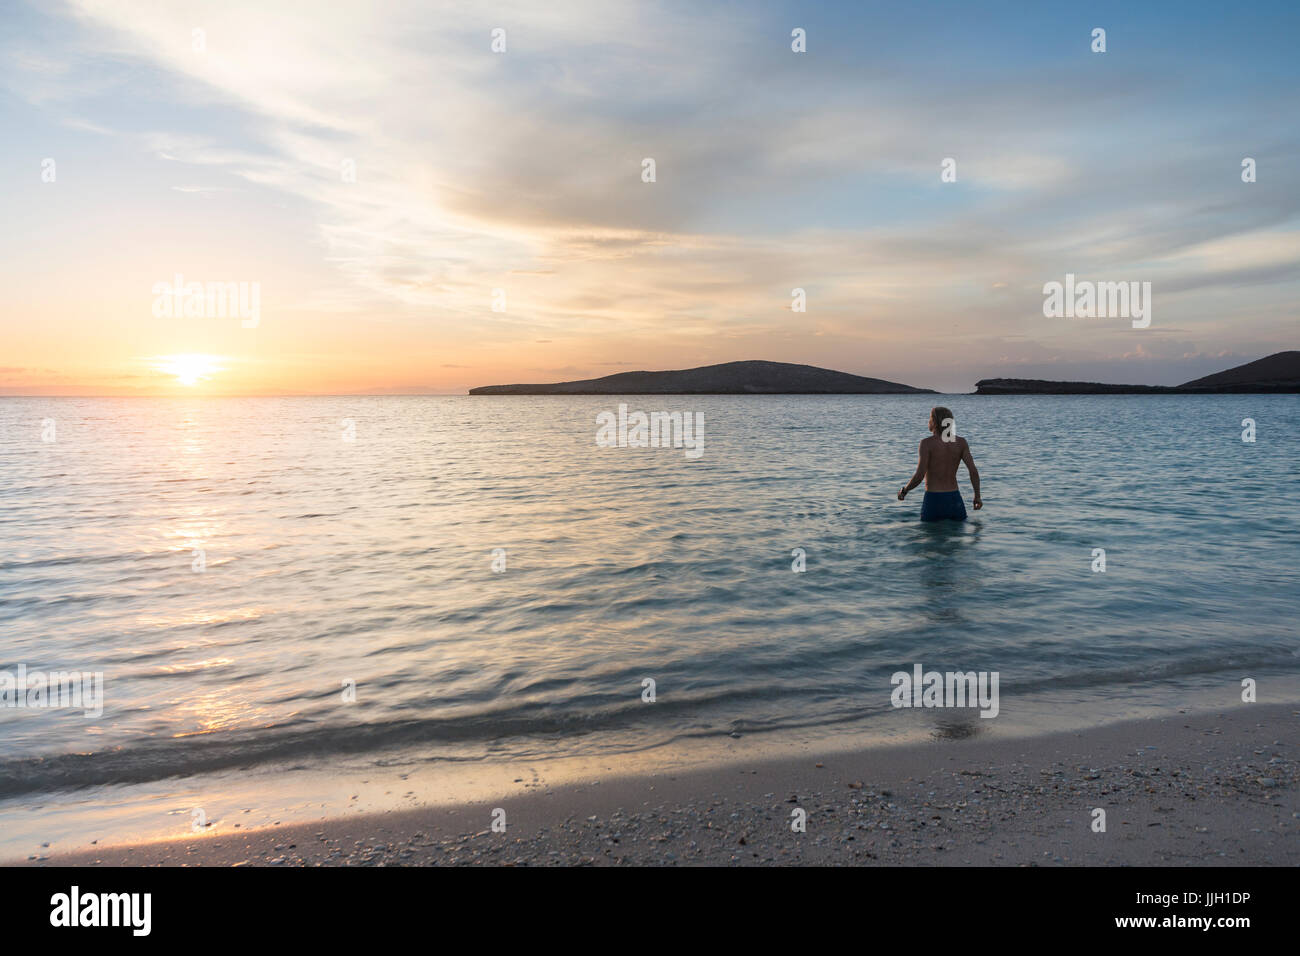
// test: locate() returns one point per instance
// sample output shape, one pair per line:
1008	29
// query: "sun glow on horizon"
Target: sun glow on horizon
190	368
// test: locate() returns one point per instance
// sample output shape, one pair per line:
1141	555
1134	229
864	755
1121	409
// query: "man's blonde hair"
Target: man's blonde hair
938	415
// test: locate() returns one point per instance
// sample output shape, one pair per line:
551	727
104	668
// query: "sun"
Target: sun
190	368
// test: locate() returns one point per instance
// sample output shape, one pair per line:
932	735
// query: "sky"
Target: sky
418	212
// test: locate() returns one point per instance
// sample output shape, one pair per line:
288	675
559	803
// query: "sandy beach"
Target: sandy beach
1205	789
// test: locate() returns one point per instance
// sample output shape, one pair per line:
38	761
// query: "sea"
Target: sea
310	606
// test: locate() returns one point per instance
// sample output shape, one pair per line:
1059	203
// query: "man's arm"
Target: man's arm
972	471
922	454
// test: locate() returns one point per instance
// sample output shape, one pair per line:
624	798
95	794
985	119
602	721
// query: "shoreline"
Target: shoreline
1215	788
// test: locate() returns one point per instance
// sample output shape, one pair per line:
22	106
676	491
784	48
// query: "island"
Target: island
1038	386
1279	372
729	378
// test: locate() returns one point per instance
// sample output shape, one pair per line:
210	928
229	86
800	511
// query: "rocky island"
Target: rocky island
1279	372
730	378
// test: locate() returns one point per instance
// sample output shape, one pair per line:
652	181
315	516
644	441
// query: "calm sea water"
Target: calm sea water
371	560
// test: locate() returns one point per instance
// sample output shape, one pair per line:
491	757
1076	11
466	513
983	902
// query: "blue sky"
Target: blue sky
520	171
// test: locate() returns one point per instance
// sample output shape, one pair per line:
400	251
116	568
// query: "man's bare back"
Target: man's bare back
938	458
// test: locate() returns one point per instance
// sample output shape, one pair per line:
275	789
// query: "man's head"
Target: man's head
939	415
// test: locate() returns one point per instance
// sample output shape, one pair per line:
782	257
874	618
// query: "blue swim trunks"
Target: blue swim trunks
938	505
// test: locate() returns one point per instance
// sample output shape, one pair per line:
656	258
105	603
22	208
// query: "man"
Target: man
939	455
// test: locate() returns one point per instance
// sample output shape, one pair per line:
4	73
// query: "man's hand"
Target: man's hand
979	503
902	493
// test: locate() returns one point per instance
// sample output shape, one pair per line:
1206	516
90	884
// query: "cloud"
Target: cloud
521	171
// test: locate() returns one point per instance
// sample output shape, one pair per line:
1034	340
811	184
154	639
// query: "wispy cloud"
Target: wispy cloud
477	171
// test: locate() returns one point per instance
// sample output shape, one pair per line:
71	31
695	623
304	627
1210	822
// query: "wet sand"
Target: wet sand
1206	789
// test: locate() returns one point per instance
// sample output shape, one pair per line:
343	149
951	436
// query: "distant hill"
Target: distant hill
730	378
1276	373
1279	372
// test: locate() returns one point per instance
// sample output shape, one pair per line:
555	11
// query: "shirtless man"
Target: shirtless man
937	467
